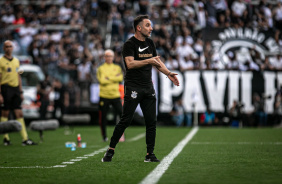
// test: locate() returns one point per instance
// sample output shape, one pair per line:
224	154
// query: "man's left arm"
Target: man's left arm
20	86
169	74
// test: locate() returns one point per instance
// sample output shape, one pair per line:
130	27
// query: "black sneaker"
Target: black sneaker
28	143
108	156
151	158
6	142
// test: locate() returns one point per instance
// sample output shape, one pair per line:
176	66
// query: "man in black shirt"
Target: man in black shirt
139	54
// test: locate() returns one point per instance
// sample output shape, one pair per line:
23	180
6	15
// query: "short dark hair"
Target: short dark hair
139	19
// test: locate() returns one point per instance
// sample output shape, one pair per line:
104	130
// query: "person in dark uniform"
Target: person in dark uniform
59	99
43	90
139	54
11	94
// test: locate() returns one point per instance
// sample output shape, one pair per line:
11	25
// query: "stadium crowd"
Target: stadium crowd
67	38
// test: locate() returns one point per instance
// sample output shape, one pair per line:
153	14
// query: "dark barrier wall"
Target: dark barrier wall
218	89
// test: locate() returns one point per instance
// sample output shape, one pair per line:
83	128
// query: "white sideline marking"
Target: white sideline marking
157	173
67	162
74	160
137	137
239	143
26	167
58	166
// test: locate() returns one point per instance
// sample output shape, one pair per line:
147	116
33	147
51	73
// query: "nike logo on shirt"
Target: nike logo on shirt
141	50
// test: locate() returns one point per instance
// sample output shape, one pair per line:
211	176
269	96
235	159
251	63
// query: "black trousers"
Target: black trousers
147	99
11	96
104	105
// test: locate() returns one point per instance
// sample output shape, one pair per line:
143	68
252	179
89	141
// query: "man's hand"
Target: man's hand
155	61
173	78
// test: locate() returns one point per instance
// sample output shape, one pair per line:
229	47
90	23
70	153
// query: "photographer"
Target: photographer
278	107
259	112
235	113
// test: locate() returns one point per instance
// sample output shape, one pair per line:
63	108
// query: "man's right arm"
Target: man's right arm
132	64
101	77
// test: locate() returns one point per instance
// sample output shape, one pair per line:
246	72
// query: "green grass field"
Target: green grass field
214	155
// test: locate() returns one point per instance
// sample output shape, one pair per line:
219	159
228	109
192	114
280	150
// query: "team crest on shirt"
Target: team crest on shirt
133	94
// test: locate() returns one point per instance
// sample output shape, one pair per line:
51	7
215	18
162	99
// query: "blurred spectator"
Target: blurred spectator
94	31
81	35
184	50
259	112
63	67
235	113
266	64
41	11
143	7
201	15
84	79
9	17
171	63
97	52
60	100
94	8
211	14
278	106
26	33
4	34
186	64
43	92
277	14
19	21
72	98
238	9
224	20
115	17
199	47
53	60
208	118
179	115
65	13
232	63
76	20
278	62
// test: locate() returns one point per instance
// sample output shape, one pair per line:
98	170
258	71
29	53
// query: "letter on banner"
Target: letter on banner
269	89
215	91
246	90
167	90
233	88
279	79
193	92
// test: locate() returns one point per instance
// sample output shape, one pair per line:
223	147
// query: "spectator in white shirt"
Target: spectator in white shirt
84	78
201	15
186	64
232	64
278	62
65	13
8	18
171	63
26	33
238	8
184	50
